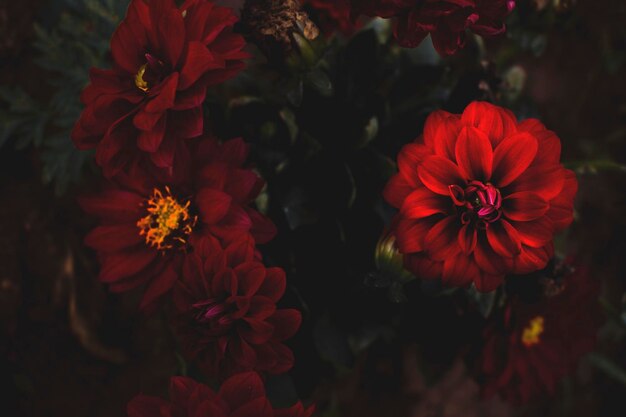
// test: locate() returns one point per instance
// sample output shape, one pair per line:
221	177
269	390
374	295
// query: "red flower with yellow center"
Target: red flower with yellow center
147	229
445	20
164	59
227	316
531	347
242	395
480	196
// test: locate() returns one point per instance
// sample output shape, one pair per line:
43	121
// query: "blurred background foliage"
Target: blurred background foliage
325	120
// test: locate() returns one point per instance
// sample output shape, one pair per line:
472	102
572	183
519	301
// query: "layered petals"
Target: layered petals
227	316
164	59
474	202
445	21
242	395
148	226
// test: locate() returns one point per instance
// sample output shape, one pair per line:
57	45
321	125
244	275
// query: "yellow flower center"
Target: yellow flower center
532	332
167	221
139	81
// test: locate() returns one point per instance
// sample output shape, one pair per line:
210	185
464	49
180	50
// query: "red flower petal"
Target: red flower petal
199	60
114	205
562	207
262	228
443	239
474	154
532	259
120	265
410	234
286	323
549	144
274	285
441	132
150	141
250	277
494	121
544	180
146	406
114	237
467	238
438	173
486	282
524	206
423	203
127	46
536	233
458	271
170	32
259	407
242	389
409	159
159	285
512	157
503	238
165	95
212	205
397	189
423	267
489	261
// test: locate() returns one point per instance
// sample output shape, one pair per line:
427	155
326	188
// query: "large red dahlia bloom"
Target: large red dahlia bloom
445	20
480	196
533	346
228	319
147	227
242	395
164	58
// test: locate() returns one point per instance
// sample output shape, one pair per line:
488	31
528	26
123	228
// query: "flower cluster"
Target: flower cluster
531	347
480	196
242	395
164	59
445	20
177	208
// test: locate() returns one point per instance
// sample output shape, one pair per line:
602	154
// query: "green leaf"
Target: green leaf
606	365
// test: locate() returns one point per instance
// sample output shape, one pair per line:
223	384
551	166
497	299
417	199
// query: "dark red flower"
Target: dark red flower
147	227
228	319
242	395
480	196
445	20
333	15
533	346
164	59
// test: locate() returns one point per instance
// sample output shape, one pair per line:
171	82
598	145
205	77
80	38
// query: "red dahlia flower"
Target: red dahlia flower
480	196
242	395
164	58
445	20
529	350
333	15
146	228
228	319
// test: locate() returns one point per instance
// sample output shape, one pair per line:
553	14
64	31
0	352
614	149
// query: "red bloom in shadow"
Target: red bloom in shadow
164	59
228	319
333	15
445	20
147	227
480	196
242	395
533	346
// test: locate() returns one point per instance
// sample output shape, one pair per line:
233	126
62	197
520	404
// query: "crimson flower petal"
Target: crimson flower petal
512	157
474	154
438	173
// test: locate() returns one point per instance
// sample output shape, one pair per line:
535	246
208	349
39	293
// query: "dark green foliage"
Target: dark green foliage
77	41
